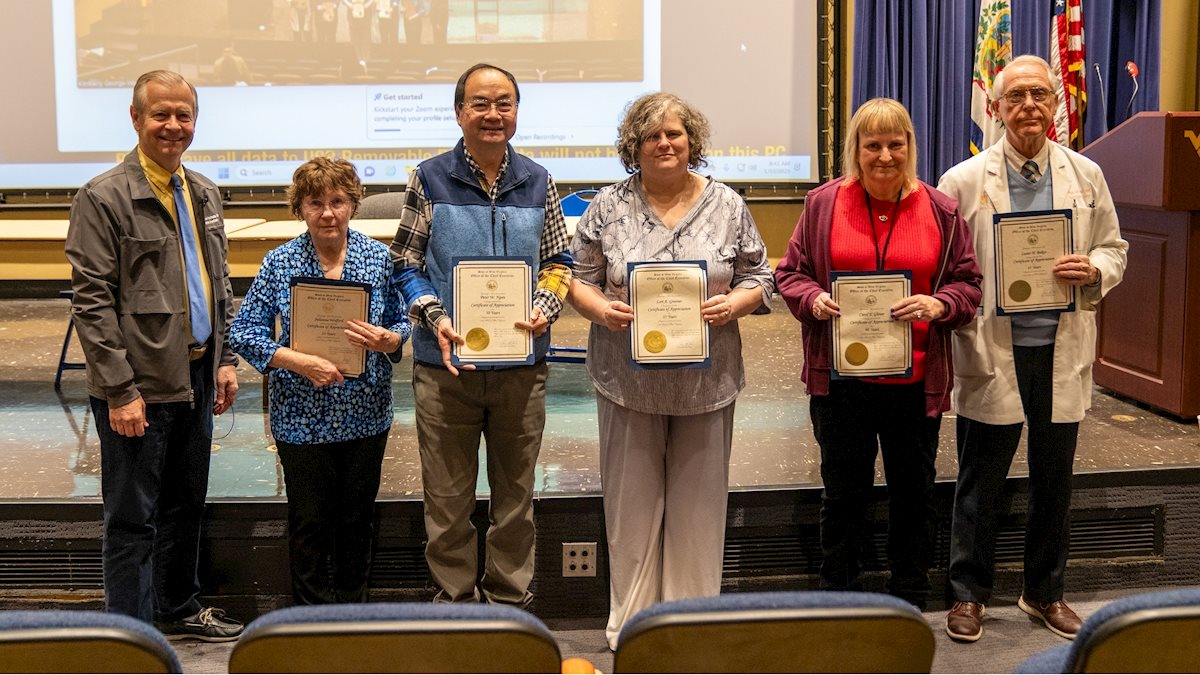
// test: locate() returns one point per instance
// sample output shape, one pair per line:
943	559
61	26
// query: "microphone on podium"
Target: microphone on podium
1103	97
1132	69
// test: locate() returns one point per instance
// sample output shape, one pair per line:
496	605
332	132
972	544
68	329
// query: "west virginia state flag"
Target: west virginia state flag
1068	59
993	50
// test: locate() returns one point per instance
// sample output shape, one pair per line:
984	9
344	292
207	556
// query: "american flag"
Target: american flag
1068	59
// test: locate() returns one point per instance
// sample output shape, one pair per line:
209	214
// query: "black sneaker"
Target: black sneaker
209	625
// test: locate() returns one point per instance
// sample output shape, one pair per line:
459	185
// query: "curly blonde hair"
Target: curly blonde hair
320	175
646	114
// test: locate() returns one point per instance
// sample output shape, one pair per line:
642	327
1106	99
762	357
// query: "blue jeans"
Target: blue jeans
153	489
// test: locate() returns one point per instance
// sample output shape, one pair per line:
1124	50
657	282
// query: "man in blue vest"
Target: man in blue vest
480	199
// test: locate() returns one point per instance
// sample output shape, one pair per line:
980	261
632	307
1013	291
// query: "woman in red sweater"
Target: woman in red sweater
879	218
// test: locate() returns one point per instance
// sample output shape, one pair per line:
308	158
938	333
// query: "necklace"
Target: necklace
881	257
325	270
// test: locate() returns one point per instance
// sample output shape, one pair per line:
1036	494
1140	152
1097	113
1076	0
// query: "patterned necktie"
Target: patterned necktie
1029	171
197	298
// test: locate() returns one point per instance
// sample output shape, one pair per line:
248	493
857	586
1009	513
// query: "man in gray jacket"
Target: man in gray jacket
152	301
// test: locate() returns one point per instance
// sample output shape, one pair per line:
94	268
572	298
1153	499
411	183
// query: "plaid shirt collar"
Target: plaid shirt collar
482	177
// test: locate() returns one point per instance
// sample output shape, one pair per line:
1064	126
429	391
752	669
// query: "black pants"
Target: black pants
153	488
985	452
331	489
852	424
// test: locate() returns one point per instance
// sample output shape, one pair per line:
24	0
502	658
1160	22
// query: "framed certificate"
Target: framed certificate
1027	244
867	341
668	329
489	296
320	309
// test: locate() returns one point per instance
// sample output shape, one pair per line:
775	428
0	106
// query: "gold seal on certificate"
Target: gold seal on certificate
867	341
857	354
320	309
668	327
490	295
477	339
1020	290
1027	245
655	341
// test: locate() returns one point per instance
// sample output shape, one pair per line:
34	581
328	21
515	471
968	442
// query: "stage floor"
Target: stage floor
49	449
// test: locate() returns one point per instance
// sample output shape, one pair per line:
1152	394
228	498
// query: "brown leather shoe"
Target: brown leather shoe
964	622
1058	617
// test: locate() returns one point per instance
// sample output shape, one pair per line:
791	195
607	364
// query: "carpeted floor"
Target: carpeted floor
1009	637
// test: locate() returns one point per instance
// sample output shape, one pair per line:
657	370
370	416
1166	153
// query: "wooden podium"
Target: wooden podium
1149	325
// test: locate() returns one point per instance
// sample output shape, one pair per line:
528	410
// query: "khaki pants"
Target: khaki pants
666	487
508	407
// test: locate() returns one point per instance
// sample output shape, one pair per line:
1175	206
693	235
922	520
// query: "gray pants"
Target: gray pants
508	407
666	487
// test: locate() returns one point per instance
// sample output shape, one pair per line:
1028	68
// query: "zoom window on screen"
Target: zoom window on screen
282	81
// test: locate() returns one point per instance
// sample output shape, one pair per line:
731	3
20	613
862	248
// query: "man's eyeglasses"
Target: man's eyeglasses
1017	96
481	106
317	207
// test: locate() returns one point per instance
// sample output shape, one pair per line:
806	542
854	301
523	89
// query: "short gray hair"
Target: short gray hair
167	78
1031	59
646	114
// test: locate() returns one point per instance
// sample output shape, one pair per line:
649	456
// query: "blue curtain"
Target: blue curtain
920	53
1126	30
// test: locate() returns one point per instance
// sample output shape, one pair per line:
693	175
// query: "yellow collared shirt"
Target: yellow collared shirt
160	181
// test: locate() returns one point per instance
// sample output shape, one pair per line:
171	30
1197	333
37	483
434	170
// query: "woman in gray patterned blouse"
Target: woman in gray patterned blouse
665	434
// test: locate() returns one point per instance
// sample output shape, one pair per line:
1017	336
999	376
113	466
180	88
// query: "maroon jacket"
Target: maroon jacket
803	274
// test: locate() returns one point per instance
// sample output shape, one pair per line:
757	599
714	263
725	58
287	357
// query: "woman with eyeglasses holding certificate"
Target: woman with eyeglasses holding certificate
330	428
879	271
665	432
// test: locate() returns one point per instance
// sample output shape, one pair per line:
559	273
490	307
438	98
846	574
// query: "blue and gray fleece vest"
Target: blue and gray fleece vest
467	224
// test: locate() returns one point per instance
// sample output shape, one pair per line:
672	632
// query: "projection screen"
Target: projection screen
281	81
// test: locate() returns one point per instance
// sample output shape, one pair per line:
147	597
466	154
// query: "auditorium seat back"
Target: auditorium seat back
61	641
396	638
381	205
573	206
795	632
1155	632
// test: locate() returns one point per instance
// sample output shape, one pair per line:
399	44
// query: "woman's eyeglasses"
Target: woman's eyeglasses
317	207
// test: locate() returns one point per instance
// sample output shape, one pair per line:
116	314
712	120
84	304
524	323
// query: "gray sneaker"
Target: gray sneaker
209	625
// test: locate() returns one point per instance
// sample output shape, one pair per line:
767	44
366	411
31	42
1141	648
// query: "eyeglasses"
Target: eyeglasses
1017	96
317	207
481	106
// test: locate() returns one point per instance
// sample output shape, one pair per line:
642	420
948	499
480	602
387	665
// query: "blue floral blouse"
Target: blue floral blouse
301	413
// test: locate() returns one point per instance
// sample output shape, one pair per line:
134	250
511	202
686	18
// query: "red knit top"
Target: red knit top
915	246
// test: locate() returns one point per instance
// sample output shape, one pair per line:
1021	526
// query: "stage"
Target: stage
1135	513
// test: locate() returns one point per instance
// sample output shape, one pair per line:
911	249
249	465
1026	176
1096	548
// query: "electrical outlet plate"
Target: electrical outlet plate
579	559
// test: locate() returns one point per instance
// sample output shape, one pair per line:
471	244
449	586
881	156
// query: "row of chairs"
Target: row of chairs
747	632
